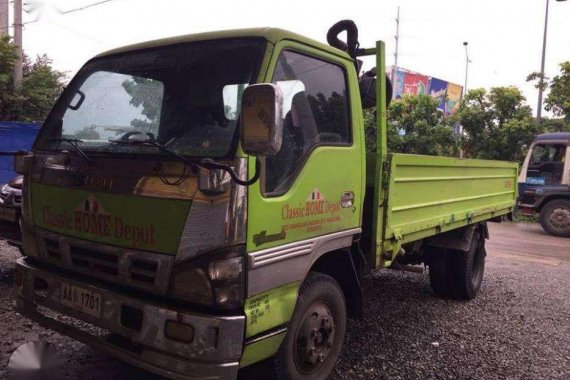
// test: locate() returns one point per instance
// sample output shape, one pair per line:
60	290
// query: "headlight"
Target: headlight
214	279
16	182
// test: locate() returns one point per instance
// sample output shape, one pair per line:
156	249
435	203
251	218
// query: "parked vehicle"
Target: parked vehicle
544	183
14	136
204	247
10	205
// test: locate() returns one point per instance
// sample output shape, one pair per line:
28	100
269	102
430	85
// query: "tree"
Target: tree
498	124
415	126
40	88
7	59
145	93
558	100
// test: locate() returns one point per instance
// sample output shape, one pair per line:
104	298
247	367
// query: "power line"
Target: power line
79	33
85	7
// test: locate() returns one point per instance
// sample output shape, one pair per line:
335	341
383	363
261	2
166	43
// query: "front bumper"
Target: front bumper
214	352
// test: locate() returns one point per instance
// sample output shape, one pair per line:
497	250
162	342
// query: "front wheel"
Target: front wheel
555	218
316	331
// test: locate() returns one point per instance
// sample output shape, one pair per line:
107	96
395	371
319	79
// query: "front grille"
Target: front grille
144	271
95	261
52	248
139	269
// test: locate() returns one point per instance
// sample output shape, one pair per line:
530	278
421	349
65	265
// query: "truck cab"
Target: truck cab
544	182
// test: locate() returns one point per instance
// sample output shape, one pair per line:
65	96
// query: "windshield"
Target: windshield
183	96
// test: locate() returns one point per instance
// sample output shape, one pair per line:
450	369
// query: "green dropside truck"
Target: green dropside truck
206	202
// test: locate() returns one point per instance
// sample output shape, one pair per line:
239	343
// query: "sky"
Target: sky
504	36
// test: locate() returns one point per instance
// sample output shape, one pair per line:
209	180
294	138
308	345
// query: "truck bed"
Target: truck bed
425	195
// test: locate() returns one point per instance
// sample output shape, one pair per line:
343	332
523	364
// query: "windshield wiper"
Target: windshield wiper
206	163
73	143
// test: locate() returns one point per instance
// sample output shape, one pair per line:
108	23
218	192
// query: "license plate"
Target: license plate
80	299
8	214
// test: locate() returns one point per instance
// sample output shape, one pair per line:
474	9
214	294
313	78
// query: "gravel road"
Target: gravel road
517	328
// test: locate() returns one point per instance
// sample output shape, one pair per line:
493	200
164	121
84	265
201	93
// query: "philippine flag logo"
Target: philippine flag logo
315	195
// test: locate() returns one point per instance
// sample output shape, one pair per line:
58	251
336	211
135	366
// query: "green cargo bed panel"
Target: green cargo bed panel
427	195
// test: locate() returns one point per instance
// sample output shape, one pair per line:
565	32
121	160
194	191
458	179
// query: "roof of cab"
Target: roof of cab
273	35
557	136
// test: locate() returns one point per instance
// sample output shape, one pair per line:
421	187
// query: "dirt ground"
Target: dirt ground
517	328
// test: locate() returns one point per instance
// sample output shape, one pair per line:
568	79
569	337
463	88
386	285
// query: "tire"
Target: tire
318	323
467	269
555	218
439	277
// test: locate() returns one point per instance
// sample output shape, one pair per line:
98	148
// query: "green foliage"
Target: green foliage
148	94
40	88
498	124
541	80
558	100
415	126
7	59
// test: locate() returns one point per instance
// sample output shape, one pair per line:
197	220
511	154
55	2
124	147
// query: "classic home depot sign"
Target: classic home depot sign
89	217
316	205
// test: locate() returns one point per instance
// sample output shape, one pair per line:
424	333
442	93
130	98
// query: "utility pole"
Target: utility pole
541	79
4	17
397	38
18	26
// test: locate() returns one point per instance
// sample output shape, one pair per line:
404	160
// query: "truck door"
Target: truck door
310	193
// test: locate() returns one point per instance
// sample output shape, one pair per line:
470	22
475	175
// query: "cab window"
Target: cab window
315	110
546	166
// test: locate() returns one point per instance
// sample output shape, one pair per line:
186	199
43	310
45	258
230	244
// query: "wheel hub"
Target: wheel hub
315	337
560	218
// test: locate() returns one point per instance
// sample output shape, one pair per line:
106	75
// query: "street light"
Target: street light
467	61
541	79
459	127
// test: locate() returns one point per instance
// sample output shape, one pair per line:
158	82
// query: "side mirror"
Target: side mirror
261	129
23	162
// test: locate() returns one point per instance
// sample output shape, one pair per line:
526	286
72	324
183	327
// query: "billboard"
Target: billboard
454	92
438	90
405	82
415	84
398	84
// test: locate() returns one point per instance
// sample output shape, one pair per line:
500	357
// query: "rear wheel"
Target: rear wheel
467	269
439	277
316	331
555	218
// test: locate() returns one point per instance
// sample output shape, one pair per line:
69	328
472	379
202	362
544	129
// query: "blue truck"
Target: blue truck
544	183
14	136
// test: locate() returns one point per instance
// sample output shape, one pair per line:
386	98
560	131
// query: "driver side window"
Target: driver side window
315	111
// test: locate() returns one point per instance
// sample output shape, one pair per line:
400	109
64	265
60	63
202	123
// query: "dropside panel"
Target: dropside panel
428	195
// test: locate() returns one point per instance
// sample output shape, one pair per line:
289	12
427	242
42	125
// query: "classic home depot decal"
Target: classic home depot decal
90	217
317	211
